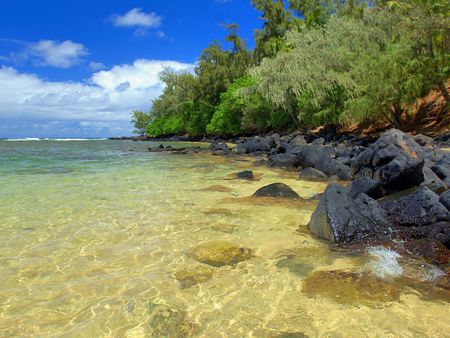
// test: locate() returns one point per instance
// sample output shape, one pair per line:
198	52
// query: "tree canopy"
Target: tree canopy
315	62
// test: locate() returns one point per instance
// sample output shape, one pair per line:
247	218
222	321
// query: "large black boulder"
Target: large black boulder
340	218
280	190
418	206
395	160
309	155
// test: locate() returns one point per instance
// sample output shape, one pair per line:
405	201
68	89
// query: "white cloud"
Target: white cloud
95	66
137	18
58	54
106	99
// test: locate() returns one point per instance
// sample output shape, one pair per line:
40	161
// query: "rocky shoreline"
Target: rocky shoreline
392	191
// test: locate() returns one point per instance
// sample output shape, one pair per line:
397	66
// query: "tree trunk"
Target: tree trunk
396	116
443	89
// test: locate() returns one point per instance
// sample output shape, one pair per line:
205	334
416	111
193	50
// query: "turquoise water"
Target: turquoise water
94	233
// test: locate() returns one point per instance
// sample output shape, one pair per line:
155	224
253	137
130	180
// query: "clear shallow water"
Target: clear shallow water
92	234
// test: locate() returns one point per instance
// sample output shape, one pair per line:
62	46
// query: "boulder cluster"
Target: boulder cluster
399	189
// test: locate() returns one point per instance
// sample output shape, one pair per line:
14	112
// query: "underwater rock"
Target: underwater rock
289	335
193	276
245	175
218	211
166	321
220	253
226	228
218	188
301	261
350	288
279	190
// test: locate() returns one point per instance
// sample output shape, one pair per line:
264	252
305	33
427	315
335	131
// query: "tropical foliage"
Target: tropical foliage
315	62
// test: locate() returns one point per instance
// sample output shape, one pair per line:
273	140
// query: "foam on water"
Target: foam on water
385	263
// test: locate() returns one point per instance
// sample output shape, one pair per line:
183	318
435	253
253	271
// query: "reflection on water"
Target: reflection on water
103	247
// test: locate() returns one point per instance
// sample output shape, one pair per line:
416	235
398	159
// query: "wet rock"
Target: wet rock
193	276
312	174
445	199
219	148
245	175
168	322
395	160
339	218
414	207
278	190
219	253
350	288
438	232
432	250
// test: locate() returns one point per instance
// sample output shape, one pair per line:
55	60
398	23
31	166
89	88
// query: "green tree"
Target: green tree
140	121
277	20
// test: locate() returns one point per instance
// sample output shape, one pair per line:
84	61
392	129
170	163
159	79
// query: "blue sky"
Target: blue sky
78	68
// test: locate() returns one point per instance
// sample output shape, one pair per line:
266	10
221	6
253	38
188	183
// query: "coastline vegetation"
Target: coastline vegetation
315	62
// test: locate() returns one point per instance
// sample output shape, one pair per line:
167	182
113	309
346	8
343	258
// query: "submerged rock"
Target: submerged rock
246	175
193	276
432	250
350	288
289	335
279	190
227	228
220	253
339	218
166	321
218	188
303	260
